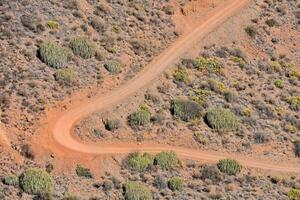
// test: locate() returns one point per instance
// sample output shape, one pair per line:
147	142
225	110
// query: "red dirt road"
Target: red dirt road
60	128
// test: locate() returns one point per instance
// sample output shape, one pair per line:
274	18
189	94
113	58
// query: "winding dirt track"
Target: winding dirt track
62	127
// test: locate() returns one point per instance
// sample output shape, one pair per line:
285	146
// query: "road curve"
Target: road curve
62	127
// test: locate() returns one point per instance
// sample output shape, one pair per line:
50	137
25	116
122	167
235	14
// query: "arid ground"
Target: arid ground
158	99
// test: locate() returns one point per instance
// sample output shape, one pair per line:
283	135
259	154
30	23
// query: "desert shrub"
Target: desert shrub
166	160
83	47
36	181
221	119
32	23
297	148
294	102
100	55
53	55
229	166
202	139
211	172
251	31
112	124
53	24
247	112
10	180
217	86
175	184
70	196
260	137
294	73
271	22
113	66
186	110
169	10
83	172
139	162
181	75
238	60
136	191
199	95
279	83
230	95
294	194
160	182
210	65
65	76
140	117
139	46
159	117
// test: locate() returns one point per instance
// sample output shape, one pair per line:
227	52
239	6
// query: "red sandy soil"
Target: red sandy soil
56	133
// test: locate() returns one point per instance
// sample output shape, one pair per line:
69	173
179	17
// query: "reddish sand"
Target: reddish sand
56	133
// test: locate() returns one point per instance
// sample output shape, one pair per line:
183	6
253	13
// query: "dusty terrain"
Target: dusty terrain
258	81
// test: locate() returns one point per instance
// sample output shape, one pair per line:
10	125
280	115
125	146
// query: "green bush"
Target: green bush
36	181
136	191
229	166
112	124
83	47
53	24
251	31
294	194
221	119
181	75
83	172
139	162
279	83
211	65
65	76
113	66
175	183
186	110
54	55
166	160
140	117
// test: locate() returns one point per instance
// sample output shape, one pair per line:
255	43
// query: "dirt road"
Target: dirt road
62	125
